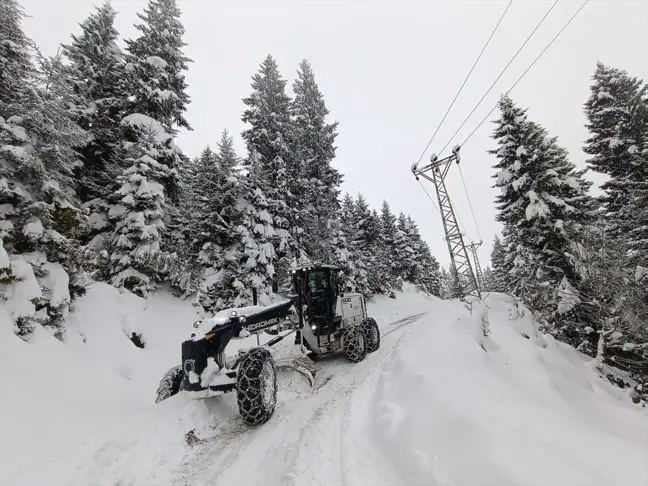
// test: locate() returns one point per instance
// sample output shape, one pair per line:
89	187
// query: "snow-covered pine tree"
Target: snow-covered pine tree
316	186
217	217
405	251
137	210
156	65
257	233
543	203
389	255
446	284
425	269
365	241
180	226
617	296
16	53
155	85
489	280
617	121
379	276
95	71
40	219
356	268
270	139
340	248
498	279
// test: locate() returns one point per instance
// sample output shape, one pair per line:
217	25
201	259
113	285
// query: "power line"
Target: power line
465	80
527	69
470	204
429	197
500	74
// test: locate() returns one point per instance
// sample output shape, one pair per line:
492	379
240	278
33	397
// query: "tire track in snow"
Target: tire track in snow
291	446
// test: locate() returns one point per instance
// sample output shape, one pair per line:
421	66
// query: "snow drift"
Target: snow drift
439	403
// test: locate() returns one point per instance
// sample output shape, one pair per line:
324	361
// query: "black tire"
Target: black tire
372	334
170	384
354	344
256	386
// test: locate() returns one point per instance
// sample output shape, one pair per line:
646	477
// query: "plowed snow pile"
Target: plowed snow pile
437	404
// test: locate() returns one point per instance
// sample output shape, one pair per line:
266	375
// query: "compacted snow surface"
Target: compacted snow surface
437	404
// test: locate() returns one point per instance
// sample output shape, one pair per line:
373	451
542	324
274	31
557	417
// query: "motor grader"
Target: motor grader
324	319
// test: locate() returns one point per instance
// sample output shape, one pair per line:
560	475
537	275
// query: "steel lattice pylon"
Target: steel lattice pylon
462	269
478	271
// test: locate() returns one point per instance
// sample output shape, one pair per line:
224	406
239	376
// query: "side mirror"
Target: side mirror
275	287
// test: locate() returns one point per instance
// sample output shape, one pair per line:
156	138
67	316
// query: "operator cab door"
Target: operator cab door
319	295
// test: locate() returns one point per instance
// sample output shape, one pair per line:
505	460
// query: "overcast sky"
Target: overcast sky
388	71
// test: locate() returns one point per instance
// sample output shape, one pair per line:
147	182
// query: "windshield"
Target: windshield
317	281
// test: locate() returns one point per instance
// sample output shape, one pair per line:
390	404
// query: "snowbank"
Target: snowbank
438	403
83	409
529	411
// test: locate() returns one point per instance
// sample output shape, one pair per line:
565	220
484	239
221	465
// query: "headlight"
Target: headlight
196	324
313	327
242	319
234	313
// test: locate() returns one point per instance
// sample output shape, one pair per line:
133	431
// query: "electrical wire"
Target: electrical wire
500	75
465	80
429	197
470	203
527	70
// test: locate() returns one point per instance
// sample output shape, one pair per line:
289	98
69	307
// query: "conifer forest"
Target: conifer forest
94	189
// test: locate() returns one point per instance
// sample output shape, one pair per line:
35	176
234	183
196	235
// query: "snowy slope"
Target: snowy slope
437	404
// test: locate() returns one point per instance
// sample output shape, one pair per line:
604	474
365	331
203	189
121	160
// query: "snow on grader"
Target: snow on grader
323	318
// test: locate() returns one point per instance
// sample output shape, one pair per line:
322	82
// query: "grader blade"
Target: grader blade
302	364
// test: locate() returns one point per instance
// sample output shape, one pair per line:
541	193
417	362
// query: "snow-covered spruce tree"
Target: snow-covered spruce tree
155	85
389	255
156	65
269	137
366	232
217	216
498	279
257	233
180	227
446	284
617	120
356	268
95	71
341	255
489	280
616	296
425	269
543	204
137	209
405	251
315	186
379	276
40	221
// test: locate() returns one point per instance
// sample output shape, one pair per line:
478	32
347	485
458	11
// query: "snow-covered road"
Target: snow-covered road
437	404
312	437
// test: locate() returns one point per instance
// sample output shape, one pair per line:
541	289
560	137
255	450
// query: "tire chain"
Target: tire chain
250	387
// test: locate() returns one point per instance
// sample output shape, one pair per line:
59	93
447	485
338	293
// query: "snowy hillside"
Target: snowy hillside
437	404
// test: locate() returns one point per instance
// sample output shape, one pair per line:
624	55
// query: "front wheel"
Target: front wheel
170	384
354	344
256	386
372	334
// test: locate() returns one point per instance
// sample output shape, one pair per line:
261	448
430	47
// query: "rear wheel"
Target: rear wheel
372	334
354	344
256	386
170	384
